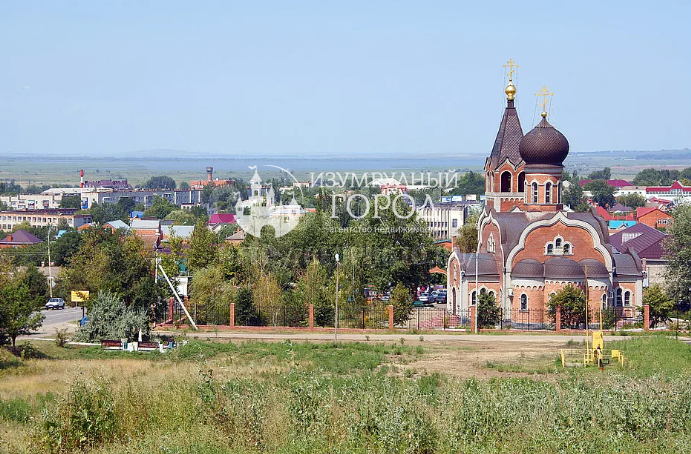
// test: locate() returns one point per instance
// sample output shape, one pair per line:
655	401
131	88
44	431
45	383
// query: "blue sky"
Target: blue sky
307	78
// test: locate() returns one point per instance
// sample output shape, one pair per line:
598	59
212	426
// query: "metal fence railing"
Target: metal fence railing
375	315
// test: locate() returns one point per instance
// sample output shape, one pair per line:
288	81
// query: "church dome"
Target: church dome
563	268
544	145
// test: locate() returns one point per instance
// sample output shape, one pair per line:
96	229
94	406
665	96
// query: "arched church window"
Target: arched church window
521	182
627	298
473	298
548	192
567	248
505	182
559	192
557	242
524	302
534	186
604	300
550	249
618	300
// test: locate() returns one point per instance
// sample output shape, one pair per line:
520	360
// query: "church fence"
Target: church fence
375	316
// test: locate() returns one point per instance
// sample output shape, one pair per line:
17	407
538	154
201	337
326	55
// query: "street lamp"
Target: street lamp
336	311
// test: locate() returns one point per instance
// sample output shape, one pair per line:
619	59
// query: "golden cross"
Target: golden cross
511	65
544	93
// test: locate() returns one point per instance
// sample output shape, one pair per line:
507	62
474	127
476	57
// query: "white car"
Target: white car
424	297
55	303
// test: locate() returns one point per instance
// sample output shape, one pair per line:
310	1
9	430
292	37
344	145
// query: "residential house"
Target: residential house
219	220
148	230
648	243
653	217
18	239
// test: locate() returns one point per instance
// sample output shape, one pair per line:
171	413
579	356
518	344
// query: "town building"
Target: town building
676	192
32	201
444	219
529	247
43	218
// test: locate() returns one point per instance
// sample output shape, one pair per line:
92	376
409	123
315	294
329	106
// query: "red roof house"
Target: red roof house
653	217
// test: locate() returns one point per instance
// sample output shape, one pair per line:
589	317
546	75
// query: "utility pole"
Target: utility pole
336	311
50	272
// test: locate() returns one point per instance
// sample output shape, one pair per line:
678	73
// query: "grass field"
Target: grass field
288	397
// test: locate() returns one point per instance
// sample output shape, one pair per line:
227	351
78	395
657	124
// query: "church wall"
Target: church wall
582	241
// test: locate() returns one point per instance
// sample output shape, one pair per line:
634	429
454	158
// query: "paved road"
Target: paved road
58	319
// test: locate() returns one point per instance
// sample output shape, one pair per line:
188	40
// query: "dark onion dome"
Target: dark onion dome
544	145
528	268
595	268
563	268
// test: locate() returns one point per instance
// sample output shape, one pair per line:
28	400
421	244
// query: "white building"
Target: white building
444	219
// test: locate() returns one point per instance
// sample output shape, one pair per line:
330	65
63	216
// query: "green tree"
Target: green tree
181	217
573	198
654	177
488	313
184	186
65	247
212	293
602	193
245	312
466	241
572	302
111	318
161	182
604	174
160	208
402	303
203	247
678	253
313	289
661	305
71	202
632	201
17	309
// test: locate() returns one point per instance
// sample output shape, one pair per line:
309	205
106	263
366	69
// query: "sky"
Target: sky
343	78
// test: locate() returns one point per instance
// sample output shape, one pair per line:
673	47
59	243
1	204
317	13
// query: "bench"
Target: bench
111	344
148	346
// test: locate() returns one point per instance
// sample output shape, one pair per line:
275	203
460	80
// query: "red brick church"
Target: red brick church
529	247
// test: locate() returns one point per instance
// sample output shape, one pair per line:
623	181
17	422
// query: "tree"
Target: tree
65	247
573	197
488	313
661	305
212	293
245	313
160	208
181	217
632	201
110	318
572	302
654	177
71	202
313	289
184	186
162	182
466	241
402	304
267	298
602	193
17	309
678	253
203	247
604	174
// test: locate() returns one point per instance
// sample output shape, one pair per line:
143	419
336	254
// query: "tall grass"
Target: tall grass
335	400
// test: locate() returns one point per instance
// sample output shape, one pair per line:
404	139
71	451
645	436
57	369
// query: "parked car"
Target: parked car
424	297
441	296
55	303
